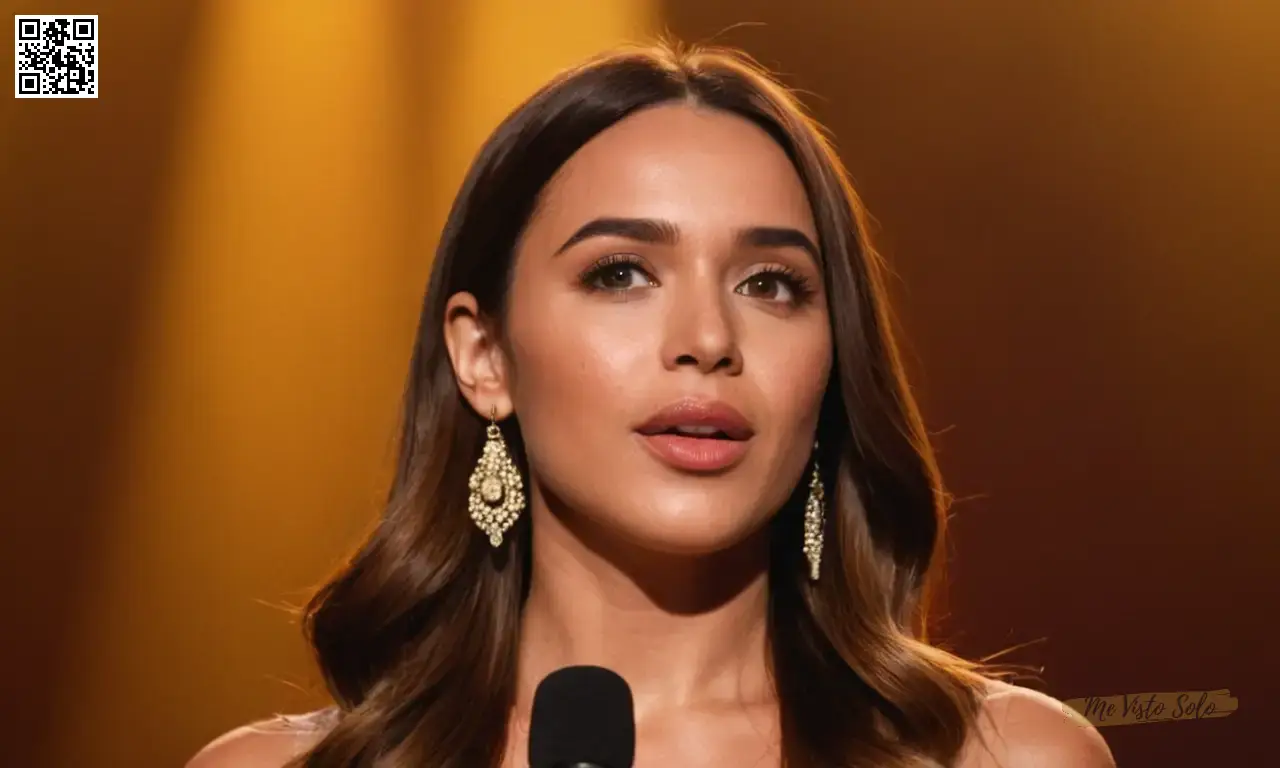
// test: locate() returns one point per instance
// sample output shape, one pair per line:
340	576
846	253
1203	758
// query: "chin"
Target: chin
684	515
704	528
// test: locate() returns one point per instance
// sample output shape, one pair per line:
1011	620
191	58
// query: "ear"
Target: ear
479	364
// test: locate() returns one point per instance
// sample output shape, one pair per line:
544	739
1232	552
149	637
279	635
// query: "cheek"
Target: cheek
791	375
574	371
791	370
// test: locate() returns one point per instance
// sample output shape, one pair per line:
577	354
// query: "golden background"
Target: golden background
210	276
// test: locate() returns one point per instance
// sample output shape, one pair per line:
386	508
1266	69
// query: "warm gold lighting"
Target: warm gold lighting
274	346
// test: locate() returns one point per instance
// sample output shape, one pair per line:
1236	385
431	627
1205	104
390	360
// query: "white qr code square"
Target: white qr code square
55	57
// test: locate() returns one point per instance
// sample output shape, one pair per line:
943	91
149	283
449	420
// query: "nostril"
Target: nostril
722	362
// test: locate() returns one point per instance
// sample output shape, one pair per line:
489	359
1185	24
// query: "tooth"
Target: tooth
698	430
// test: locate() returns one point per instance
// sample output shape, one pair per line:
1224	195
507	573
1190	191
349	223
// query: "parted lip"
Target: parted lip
714	414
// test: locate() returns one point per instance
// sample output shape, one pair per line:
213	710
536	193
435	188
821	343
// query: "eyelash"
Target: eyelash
796	283
601	266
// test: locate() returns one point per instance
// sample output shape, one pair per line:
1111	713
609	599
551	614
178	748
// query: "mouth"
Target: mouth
697	436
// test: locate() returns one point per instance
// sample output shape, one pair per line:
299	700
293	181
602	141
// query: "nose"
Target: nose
702	333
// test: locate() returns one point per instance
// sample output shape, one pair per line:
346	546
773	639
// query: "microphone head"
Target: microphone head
582	715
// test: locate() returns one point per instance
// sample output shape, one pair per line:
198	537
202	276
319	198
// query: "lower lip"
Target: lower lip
696	454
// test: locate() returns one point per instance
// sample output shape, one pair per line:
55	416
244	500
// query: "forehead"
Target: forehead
698	167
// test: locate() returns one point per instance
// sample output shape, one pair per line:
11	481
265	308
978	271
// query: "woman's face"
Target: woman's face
667	345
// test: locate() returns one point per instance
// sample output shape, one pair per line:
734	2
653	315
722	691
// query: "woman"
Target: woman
656	422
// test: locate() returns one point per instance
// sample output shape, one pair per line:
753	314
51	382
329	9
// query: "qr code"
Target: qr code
56	57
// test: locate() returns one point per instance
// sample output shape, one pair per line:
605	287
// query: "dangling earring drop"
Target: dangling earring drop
815	510
497	492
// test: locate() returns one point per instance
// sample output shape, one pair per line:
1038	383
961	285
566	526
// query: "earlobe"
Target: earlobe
478	363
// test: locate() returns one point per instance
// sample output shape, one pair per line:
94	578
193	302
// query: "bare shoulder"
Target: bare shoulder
1021	728
268	743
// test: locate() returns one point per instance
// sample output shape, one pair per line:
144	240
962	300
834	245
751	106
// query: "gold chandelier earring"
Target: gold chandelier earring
815	510
497	492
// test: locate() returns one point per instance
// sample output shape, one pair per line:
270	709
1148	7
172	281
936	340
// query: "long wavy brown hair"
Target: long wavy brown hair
417	635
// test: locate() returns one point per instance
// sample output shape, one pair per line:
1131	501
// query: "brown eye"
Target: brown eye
768	286
616	274
619	277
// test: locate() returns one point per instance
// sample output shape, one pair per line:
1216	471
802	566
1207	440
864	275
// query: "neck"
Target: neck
682	630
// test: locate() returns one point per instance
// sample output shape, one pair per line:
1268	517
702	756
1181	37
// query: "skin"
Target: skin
658	573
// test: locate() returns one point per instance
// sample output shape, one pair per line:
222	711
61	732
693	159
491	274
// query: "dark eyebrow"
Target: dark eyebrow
654	231
779	237
662	232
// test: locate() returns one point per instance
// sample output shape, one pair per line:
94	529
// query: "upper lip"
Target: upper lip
699	413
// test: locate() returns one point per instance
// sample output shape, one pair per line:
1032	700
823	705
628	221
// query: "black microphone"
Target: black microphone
583	717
